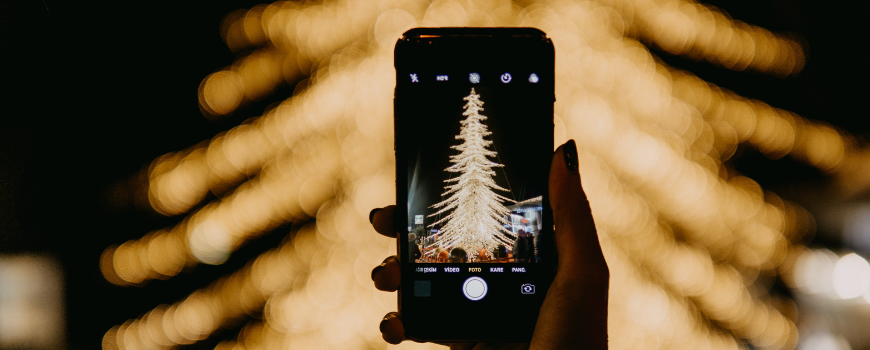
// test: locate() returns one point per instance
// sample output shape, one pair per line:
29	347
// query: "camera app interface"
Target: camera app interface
478	160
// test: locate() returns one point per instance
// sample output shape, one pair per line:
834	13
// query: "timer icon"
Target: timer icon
506	78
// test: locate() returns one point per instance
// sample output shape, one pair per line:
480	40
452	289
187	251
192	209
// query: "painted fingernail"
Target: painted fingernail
379	267
386	319
372	215
376	269
570	151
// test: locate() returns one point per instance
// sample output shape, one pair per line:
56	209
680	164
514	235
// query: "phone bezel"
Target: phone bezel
418	45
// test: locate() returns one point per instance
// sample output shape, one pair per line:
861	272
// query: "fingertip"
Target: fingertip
576	235
372	215
569	152
392	329
564	181
565	157
382	220
387	275
376	270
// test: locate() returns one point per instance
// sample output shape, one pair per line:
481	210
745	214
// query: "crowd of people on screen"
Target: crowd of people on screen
425	249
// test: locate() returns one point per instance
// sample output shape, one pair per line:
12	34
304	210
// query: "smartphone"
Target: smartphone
474	141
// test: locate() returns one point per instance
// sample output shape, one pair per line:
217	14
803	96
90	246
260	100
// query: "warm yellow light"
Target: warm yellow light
220	93
688	28
675	222
851	276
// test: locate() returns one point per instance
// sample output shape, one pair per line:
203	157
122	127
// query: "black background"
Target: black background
90	92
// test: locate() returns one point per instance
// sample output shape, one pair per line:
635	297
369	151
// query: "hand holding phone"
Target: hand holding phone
574	312
473	139
473	217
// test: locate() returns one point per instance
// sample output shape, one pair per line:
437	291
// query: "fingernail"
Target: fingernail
376	269
570	151
379	267
372	215
386	319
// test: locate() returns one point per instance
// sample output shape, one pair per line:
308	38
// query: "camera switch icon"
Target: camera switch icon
527	288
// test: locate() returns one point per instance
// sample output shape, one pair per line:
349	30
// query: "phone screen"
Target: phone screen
474	142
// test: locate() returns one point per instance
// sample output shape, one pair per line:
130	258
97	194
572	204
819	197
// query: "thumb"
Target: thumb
576	237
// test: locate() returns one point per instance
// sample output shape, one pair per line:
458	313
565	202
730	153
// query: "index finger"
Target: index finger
382	220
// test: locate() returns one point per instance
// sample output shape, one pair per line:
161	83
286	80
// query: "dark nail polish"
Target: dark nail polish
379	267
372	215
376	269
384	322
570	151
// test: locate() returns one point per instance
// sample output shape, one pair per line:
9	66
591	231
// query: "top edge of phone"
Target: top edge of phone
438	32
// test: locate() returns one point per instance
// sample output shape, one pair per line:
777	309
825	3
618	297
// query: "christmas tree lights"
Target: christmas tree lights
478	217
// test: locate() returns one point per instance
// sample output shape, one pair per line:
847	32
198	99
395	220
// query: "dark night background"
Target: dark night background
92	92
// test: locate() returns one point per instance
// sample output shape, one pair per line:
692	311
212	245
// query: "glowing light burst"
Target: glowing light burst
478	216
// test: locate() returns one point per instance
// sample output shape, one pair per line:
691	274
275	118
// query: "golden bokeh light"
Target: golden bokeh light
221	92
698	32
685	236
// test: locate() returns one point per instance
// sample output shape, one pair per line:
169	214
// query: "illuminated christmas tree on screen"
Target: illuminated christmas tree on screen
477	216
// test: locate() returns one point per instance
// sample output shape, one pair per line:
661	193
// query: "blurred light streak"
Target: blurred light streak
223	302
322	265
637	303
665	167
824	273
688	273
664	170
289	188
691	29
178	182
249	79
820	146
313	126
299	39
774	132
